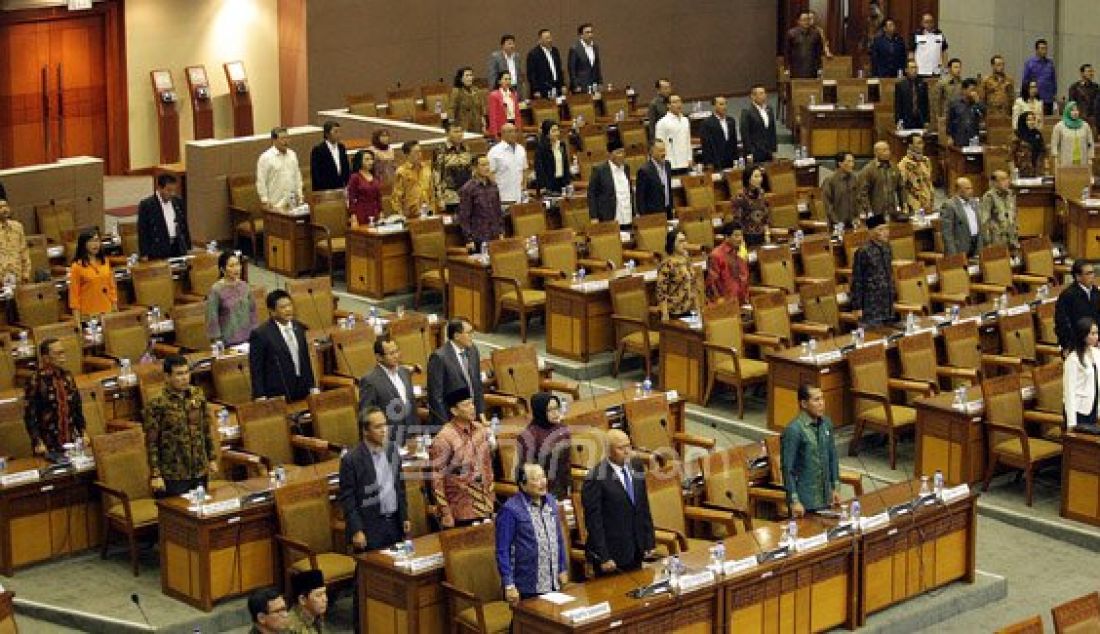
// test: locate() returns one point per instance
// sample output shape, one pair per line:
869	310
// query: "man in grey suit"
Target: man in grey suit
960	221
506	60
389	388
609	193
454	365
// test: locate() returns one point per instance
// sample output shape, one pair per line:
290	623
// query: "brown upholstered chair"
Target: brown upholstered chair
871	385
14	440
821	305
232	379
37	304
336	416
516	373
153	285
1009	444
472	581
654	433
429	253
630	317
314	302
306	533
725	347
125	334
265	432
353	350
1018	340
1047	411
528	219
1079	616
245	212
72	338
122	465
512	282
772	317
671	515
329	226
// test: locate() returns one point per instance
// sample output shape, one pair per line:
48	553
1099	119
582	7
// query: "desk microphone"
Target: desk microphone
137	601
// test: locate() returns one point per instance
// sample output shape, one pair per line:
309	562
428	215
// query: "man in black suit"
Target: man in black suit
278	353
389	387
911	99
609	194
456	364
584	61
616	511
328	161
1080	299
544	70
758	127
162	222
719	136
371	490
653	190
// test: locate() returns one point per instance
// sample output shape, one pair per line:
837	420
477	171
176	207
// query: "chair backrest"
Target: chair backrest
853	240
37	304
581	105
202	273
517	370
190	324
650	422
1038	257
776	267
725	483
304	513
649	232
962	345
867	368
666	502
635	158
125	334
242	192
801	92
437	97
633	135
699	190
903	243
265	431
722	326
851	92
954	278
819	303
69	335
543	110
604	242
1033	625
416	503
593	136
58	216
629	298
508	258
128	236
528	219
40	258
574	213
588	435
816	253
153	285
770	314
558	250
781	177
912	285
1003	403
1044	322
335	416
734	183
697	226
428	238
14	440
353	350
783	209
918	357
151	381
1070	180
122	462
1080	615
413	337
1017	335
836	67
614	102
232	379
401	104
995	265
469	560
1048	387
314	303
330	210
92	404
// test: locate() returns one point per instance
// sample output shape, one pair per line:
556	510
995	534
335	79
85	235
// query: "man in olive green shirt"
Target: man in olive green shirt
811	474
881	189
310	603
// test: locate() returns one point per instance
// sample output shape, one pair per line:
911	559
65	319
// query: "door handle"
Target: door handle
60	115
45	112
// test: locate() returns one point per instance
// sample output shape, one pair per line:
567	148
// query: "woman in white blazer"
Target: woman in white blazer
1079	378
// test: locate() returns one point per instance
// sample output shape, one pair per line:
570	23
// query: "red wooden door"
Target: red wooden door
79	87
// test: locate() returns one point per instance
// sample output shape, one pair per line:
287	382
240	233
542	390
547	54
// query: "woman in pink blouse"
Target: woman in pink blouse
364	192
503	105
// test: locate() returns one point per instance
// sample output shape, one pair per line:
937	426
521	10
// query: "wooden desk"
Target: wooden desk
1035	209
787	369
394	600
51	518
682	359
578	320
950	440
379	262
1083	230
7	613
471	292
828	130
916	552
970	164
204	559
615	400
288	244
1081	478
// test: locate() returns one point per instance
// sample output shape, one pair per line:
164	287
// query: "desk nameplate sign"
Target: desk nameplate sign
873	522
588	612
735	566
19	477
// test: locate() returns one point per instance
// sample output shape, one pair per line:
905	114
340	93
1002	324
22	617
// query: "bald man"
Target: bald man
881	190
508	162
997	212
616	510
960	221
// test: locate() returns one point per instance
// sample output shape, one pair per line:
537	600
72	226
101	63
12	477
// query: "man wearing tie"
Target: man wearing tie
653	190
328	161
584	61
162	222
278	353
1078	300
544	71
719	137
758	127
456	364
959	222
389	387
616	510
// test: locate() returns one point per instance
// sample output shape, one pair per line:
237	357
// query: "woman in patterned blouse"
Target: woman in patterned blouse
1028	147
230	307
751	206
678	287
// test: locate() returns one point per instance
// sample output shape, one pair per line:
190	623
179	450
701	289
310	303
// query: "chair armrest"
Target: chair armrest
243	458
335	381
1030	279
644	256
853	479
871	396
926	388
983	287
571	388
505	489
762	290
590	263
291	545
1043	417
800	280
768	341
810	328
903	307
950	298
99	363
1002	360
122	425
546	273
312	444
714	516
430	261
673	541
459	593
503	401
958	373
116	493
694	440
511	281
459	251
1050	350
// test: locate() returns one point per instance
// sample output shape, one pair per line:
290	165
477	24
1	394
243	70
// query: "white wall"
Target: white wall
1078	38
977	29
174	34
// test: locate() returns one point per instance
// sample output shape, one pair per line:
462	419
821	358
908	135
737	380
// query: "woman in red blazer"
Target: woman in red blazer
503	105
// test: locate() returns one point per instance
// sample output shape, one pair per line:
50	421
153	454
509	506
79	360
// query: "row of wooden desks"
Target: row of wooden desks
837	584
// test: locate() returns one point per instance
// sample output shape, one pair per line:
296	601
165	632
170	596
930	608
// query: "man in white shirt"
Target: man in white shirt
929	47
544	69
508	162
328	161
675	130
389	387
959	221
278	179
609	193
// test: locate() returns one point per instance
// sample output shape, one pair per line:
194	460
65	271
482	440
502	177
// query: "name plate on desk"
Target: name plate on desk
828	357
588	612
591	287
973	269
83	463
224	506
1015	310
420	564
810	543
696	580
873	522
672	396
19	477
739	565
972	149
650	275
956	493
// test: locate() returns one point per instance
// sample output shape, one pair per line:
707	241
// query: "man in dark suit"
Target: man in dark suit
162	222
1077	300
911	99
609	194
584	61
653	189
456	364
389	387
544	69
371	490
616	511
719	136
328	161
758	127
278	353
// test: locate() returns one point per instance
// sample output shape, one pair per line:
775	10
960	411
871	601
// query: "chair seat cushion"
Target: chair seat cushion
245	227
434	275
750	368
1040	449
903	416
635	340
339	245
144	511
332	565
531	297
498	617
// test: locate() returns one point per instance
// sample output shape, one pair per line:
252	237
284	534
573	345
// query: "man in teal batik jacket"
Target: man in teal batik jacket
811	474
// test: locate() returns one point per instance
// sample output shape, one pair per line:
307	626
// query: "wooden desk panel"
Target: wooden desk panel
288	244
949	440
1081	478
1035	210
682	360
971	165
1083	230
393	600
578	323
7	614
471	292
379	263
826	132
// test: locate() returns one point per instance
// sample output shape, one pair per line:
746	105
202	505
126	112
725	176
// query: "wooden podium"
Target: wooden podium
683	360
240	97
968	162
202	106
168	116
288	243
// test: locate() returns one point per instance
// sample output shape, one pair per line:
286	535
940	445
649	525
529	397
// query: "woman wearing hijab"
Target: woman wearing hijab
1028	147
1071	141
551	159
546	441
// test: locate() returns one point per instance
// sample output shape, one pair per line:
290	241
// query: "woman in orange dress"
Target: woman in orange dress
92	288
